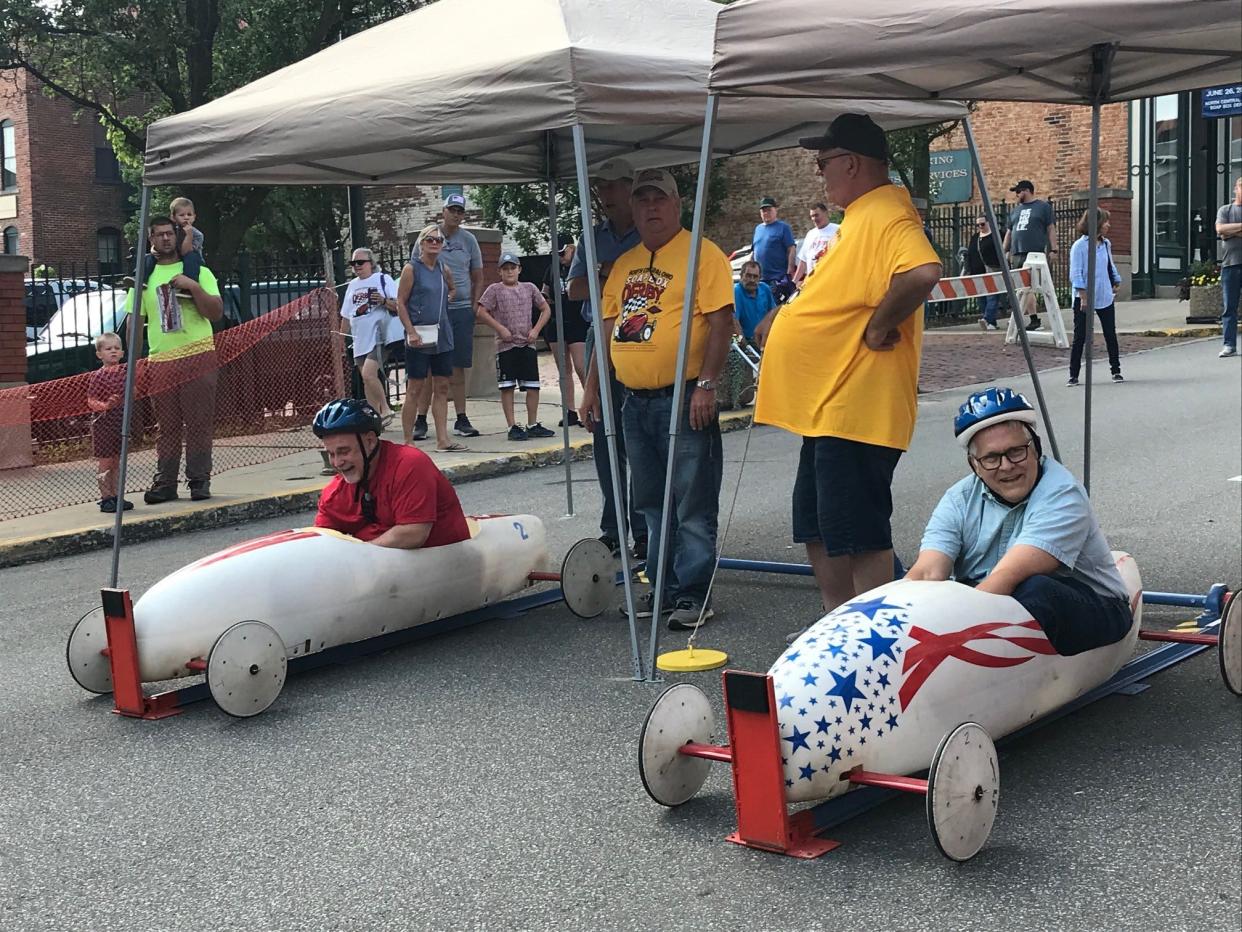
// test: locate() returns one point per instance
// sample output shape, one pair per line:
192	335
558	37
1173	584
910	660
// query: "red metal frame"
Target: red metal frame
122	653
1182	637
541	576
754	751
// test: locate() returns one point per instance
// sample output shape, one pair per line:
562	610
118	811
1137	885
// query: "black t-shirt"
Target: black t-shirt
567	307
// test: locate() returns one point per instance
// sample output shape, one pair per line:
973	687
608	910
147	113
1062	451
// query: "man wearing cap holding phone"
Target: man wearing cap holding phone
611	182
773	246
1032	228
642	309
464	259
841	362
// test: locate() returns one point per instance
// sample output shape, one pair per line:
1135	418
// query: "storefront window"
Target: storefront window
1166	174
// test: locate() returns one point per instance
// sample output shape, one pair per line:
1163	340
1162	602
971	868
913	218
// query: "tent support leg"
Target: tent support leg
133	350
566	374
679	383
605	391
1088	310
1014	304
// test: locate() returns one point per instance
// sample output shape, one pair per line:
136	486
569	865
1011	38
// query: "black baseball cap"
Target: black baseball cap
1023	185
854	132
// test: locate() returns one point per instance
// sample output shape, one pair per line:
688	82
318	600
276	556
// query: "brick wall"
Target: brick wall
788	175
61	205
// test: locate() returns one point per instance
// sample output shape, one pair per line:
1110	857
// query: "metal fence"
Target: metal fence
950	228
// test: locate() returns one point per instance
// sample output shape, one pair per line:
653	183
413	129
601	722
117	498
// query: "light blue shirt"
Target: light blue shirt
975	529
1105	273
608	248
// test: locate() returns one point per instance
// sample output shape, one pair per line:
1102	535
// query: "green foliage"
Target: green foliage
521	210
910	155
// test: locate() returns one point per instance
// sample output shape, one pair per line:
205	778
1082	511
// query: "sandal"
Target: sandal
453	448
387	419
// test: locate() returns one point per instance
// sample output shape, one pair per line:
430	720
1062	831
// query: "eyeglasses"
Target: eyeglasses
820	163
357	262
1015	455
433	239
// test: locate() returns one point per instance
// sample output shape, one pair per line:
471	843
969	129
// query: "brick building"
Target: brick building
61	195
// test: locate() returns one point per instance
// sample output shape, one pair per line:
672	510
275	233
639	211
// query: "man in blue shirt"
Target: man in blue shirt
752	299
1021	525
616	234
773	247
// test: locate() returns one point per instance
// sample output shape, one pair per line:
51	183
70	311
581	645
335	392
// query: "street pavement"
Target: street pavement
487	779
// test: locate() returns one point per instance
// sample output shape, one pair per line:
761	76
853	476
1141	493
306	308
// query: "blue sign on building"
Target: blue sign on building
951	176
1223	101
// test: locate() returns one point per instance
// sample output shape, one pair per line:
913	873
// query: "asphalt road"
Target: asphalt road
487	779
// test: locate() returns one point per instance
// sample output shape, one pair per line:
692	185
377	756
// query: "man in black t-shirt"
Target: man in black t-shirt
1032	228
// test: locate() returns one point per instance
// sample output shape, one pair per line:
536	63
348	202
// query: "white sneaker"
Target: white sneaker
1226	352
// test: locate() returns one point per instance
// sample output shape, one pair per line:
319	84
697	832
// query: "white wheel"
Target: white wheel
588	578
963	789
87	665
246	668
1229	645
681	714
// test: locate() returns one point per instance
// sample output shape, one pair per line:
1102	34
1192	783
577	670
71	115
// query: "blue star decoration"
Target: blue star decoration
891	722
871	606
810	679
865	722
880	645
821	727
846	688
786	702
834	755
798	740
807	773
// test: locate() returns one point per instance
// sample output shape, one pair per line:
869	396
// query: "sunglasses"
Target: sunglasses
821	162
357	262
433	239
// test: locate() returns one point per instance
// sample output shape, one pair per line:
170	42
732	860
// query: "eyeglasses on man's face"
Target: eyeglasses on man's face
820	162
357	262
1015	455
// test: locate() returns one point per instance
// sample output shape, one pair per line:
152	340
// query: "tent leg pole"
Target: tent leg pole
605	389
679	382
133	351
1093	202
558	311
1011	293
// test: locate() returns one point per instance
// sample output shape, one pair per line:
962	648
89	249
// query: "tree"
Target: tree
910	155
128	63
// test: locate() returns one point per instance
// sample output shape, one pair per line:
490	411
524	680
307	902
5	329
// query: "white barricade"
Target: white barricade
1033	276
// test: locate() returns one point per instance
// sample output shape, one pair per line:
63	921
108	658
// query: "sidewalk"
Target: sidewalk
291	484
1152	317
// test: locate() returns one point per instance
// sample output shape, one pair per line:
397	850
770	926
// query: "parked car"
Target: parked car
44	296
742	255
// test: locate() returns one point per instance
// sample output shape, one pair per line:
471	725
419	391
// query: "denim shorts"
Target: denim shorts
843	496
418	364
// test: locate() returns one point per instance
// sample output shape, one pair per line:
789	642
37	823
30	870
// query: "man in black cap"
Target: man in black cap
841	362
1032	228
773	246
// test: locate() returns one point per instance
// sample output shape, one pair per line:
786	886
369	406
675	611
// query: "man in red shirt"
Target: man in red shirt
389	494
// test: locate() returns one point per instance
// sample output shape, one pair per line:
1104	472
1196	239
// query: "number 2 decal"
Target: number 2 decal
521	530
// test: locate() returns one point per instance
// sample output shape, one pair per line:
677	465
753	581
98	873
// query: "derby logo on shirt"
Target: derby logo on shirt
640	309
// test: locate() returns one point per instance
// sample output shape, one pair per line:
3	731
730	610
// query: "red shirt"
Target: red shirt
407	488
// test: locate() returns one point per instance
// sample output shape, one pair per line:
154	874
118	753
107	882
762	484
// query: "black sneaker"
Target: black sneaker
420	428
685	617
108	505
157	495
463	428
517	432
572	420
643	605
611	543
640	548
537	430
1072	383
1033	323
1117	377
200	491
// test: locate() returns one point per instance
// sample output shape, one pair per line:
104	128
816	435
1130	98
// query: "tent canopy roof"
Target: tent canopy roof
1025	50
470	91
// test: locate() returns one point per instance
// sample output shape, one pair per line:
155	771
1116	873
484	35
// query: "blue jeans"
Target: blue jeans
697	473
1231	288
991	304
603	471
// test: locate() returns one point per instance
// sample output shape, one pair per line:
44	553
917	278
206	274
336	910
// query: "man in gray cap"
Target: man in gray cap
610	183
464	259
841	362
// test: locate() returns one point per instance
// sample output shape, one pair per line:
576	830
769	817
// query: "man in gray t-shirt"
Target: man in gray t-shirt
465	261
1032	228
1229	229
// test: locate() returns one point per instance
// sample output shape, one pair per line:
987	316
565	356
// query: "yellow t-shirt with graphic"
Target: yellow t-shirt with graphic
819	379
645	294
175	328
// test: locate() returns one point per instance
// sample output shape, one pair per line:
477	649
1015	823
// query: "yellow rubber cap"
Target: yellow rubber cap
691	660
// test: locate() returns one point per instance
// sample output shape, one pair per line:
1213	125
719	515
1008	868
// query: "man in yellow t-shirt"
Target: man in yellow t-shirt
642	307
182	365
841	362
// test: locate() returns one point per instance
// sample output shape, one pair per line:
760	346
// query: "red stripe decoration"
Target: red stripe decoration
258	543
933	649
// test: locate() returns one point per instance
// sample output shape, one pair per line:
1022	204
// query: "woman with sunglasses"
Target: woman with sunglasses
982	257
423	297
369	302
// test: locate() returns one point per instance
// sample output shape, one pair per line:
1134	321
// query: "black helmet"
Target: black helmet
347	416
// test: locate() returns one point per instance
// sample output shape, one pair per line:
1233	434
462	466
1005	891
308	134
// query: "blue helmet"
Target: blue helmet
347	416
989	407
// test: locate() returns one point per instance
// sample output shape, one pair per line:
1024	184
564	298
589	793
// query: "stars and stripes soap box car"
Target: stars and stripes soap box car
882	687
254	606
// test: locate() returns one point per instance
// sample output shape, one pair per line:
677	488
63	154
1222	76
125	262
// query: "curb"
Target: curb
204	517
1182	332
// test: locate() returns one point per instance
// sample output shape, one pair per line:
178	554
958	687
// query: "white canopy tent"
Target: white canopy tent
545	90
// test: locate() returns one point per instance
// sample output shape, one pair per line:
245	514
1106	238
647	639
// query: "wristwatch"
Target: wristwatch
708	385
